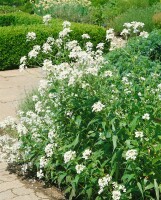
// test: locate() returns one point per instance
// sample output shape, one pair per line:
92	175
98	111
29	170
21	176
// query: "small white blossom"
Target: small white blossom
31	36
131	154
40	174
146	116
139	134
79	168
66	24
85	36
86	154
97	107
23	59
49	150
33	54
116	195
110	34
144	34
47	19
69	155
103	182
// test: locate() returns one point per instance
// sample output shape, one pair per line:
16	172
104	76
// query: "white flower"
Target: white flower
43	162
103	182
37	47
110	34
23	59
159	86
31	36
33	54
35	98
144	34
69	155
47	19
66	24
79	168
21	129
139	94
97	107
49	150
146	116
85	36
22	67
100	46
47	65
46	48
131	154
40	174
125	32
139	134
108	73
64	32
86	154
116	195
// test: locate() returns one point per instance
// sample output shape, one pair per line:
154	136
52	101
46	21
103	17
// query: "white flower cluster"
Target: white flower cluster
69	155
134	28
9	148
86	154
79	168
31	36
47	19
103	182
8	122
97	107
115	42
49	150
43	162
131	154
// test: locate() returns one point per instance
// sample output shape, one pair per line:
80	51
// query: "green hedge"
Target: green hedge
19	18
13	39
8	9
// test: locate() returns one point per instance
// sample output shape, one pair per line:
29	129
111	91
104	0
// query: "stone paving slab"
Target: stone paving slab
12	188
13	87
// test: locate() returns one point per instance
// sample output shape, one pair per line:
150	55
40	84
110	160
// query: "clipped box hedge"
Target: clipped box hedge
19	18
13	43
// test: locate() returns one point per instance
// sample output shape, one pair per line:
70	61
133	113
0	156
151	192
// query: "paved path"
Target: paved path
13	87
12	188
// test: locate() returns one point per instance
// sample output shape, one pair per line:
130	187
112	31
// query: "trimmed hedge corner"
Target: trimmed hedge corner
13	39
19	18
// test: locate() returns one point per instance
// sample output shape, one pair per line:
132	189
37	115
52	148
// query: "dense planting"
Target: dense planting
95	126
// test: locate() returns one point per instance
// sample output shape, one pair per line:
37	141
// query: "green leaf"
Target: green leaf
78	121
103	125
114	139
74	143
150	186
133	123
156	189
61	177
140	188
92	122
89	193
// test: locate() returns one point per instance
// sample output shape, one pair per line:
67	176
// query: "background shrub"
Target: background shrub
23	5
141	15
